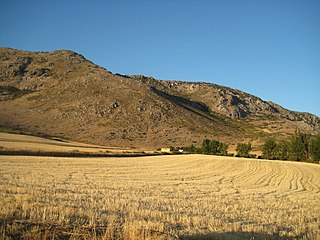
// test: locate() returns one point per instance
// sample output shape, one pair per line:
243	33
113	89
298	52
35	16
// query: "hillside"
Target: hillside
62	94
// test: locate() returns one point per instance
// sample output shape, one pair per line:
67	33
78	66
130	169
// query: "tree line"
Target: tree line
215	147
300	147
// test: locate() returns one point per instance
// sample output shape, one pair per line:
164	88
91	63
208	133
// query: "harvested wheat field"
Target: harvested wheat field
160	197
12	142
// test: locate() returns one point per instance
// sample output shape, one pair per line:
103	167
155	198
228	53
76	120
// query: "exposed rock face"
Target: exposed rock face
61	93
232	103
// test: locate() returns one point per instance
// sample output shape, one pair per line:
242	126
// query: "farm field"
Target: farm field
20	142
159	197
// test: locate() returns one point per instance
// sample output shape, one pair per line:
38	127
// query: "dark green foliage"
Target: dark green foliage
243	149
281	151
301	147
314	149
214	147
268	149
205	146
272	150
223	149
209	147
190	149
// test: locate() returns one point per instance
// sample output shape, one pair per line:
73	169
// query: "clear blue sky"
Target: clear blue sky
267	48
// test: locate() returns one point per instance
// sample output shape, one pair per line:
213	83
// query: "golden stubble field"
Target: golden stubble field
161	197
29	143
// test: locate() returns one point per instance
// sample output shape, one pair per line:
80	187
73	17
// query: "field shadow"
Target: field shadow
238	236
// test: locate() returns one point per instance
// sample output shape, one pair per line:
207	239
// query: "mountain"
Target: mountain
62	94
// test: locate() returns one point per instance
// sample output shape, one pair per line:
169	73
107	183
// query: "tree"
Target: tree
214	147
205	147
281	151
300	147
243	149
268	149
272	150
298	150
191	149
223	149
314	149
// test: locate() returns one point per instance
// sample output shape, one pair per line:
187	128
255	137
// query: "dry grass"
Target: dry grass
22	142
164	197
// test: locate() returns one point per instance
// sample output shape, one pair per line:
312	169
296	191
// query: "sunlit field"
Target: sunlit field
160	197
20	142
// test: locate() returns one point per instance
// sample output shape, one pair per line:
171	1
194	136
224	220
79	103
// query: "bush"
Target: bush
268	149
243	149
208	146
214	147
190	149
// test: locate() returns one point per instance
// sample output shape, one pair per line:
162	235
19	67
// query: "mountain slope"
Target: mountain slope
60	93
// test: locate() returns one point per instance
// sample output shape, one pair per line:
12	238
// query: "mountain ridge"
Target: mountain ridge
62	93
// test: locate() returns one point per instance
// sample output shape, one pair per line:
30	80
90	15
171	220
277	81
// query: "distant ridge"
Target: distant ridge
62	94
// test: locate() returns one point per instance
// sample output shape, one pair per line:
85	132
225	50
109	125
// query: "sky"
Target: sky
270	49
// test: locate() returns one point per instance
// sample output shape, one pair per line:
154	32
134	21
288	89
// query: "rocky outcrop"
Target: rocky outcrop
231	102
61	93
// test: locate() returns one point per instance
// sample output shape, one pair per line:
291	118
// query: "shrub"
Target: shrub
243	149
209	147
214	147
268	149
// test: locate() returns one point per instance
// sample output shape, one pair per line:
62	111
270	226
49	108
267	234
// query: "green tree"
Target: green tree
243	149
281	151
214	147
298	150
191	149
314	149
205	147
268	149
223	149
300	147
